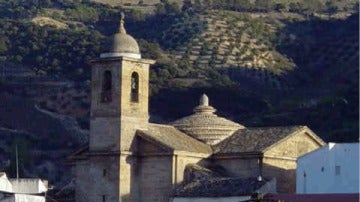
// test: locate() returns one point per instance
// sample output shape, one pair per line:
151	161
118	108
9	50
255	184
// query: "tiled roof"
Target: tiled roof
194	172
215	182
174	139
205	125
254	139
220	187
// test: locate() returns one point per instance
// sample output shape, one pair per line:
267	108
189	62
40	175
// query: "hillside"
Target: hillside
260	67
220	39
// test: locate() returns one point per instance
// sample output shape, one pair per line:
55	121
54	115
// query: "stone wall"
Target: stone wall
180	162
128	182
294	146
104	134
284	172
280	161
155	178
134	115
114	121
99	108
97	178
105	116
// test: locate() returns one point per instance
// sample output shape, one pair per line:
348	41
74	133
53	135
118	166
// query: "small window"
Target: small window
104	172
106	93
134	87
103	198
337	170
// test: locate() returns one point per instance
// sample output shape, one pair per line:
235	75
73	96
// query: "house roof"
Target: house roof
173	139
259	139
220	187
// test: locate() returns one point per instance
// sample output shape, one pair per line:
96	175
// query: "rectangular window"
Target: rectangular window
103	198
104	172
337	170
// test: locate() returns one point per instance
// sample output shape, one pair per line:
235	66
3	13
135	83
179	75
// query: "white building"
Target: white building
333	168
22	189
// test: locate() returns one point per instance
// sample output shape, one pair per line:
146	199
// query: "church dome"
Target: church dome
121	44
206	126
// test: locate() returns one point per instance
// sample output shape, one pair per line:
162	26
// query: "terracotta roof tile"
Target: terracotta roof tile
174	139
254	139
220	187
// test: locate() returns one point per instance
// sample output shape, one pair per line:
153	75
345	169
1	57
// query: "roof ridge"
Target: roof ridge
162	125
267	127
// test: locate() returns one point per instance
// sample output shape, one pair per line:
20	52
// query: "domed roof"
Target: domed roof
205	125
122	44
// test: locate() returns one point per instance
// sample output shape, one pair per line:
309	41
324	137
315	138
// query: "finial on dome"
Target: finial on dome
204	100
122	21
204	107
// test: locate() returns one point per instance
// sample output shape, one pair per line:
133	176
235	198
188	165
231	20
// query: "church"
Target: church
129	159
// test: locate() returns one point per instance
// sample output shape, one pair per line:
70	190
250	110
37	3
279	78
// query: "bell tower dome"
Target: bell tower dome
121	44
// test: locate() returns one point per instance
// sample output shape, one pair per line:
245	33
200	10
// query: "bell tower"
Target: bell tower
119	107
119	94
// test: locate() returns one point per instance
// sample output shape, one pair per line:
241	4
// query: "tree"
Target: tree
264	5
312	6
242	5
294	7
186	5
198	6
3	44
172	8
160	9
137	15
331	7
280	7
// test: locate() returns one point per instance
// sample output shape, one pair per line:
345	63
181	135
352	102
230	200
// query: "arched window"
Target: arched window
134	87
106	93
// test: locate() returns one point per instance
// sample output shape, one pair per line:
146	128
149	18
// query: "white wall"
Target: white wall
5	185
28	198
220	199
29	186
333	168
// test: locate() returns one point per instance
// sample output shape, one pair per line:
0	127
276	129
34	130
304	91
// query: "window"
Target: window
106	93
337	170
103	198
134	87
104	172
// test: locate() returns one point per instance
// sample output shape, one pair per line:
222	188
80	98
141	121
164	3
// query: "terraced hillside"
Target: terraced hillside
222	39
